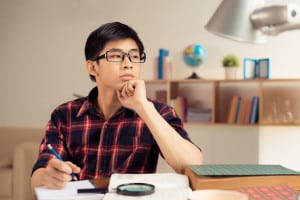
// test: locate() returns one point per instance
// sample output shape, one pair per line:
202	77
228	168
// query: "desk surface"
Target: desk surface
103	183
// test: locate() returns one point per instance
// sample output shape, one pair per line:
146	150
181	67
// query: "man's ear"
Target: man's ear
90	67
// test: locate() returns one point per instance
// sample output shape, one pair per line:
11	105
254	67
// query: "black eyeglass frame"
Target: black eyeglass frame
142	57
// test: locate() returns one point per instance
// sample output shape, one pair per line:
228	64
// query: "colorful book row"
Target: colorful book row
243	111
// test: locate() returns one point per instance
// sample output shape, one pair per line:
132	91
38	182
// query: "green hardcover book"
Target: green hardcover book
239	176
242	170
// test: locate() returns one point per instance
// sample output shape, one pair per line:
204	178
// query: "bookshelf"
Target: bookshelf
279	99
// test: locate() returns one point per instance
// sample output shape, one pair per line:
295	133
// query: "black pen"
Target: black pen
92	190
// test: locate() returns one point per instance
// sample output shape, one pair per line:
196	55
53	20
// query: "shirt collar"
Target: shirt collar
90	105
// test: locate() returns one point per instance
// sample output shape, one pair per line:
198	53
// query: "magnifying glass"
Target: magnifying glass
135	189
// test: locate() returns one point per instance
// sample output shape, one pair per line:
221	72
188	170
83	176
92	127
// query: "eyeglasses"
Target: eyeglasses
117	55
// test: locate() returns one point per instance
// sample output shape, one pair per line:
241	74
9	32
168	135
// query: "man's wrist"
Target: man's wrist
145	107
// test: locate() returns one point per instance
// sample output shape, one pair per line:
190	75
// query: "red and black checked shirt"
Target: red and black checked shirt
100	147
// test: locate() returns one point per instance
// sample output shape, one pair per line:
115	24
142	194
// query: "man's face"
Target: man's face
113	72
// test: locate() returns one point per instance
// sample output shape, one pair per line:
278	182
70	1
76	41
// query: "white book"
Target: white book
167	186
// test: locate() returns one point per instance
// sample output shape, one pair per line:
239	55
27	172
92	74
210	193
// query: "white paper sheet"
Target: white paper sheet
69	192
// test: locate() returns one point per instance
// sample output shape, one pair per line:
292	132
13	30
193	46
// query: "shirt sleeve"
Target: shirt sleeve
53	135
169	114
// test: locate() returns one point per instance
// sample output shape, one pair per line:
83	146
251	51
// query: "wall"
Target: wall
42	60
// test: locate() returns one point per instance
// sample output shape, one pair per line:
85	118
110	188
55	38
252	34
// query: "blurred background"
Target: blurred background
42	63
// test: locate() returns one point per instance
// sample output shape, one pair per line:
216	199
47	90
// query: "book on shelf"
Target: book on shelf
180	106
243	111
247	110
238	176
198	115
253	118
233	109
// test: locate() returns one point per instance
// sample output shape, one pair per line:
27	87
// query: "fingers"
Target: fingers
133	88
52	183
58	173
128	90
75	168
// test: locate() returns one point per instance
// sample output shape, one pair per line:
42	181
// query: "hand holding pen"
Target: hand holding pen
60	158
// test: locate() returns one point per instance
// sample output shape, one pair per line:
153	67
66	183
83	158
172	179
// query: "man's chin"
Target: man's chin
121	85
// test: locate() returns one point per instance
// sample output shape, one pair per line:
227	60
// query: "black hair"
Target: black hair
97	39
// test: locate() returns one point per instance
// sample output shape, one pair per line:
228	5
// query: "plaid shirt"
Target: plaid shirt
100	147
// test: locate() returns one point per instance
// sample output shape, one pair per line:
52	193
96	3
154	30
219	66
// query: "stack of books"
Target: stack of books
198	115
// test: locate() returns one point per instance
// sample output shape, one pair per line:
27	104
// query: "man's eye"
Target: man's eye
115	56
135	56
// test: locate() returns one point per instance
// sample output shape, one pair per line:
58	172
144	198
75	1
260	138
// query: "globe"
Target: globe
194	55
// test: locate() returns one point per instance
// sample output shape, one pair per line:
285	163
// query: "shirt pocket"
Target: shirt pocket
132	154
135	141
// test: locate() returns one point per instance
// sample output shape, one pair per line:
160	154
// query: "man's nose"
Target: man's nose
126	56
127	61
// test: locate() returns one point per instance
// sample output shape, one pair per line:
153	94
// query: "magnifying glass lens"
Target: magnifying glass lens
135	189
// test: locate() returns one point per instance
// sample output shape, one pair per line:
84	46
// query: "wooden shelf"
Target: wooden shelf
275	95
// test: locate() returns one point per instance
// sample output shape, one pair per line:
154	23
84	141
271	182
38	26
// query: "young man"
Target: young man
115	128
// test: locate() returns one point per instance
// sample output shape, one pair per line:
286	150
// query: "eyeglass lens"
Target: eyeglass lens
118	56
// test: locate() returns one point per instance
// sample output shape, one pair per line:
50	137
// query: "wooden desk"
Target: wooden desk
101	182
104	182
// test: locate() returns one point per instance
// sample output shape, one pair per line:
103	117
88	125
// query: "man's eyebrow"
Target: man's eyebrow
116	49
134	50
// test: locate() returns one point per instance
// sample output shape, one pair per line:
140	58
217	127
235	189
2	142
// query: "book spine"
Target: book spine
183	103
247	111
240	118
254	110
230	112
233	110
237	108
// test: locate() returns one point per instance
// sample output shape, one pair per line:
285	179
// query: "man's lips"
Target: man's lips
127	77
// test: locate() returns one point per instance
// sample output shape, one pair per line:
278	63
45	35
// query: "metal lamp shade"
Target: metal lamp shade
232	20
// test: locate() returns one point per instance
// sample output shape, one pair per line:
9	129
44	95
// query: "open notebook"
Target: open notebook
167	186
69	192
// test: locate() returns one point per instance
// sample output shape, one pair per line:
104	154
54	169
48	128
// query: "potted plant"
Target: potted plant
231	63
